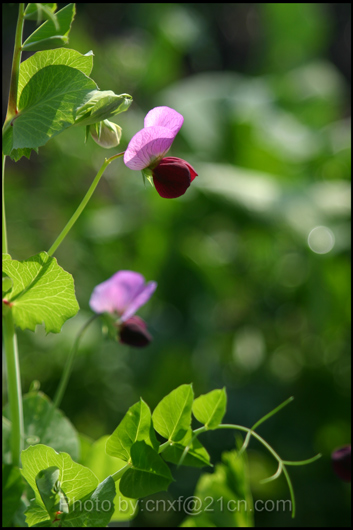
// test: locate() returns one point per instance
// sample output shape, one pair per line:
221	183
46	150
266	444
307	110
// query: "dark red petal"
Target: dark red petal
172	177
341	462
193	173
134	333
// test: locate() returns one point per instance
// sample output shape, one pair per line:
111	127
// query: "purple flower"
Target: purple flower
122	295
341	462
146	150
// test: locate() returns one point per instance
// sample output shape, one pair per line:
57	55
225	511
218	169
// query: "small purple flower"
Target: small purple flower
122	295
146	150
341	462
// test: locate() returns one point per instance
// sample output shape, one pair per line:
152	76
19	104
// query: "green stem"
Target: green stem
272	451
302	462
68	366
164	446
10	339
14	386
83	204
118	474
4	231
16	60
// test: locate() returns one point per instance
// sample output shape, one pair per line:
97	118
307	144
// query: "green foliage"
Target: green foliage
12	489
210	408
172	416
224	495
54	93
148	473
42	292
43	424
243	300
103	465
54	32
195	453
79	485
135	426
53	497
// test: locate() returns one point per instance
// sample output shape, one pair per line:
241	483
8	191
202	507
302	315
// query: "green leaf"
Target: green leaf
224	495
148	474
172	416
136	425
210	408
37	12
54	32
16	154
101	106
103	465
12	488
75	480
98	507
49	488
42	292
197	456
52	85
7	284
46	425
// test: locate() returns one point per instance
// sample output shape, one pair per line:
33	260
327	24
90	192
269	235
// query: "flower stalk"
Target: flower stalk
82	205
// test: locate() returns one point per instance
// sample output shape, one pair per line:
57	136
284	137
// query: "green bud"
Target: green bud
106	133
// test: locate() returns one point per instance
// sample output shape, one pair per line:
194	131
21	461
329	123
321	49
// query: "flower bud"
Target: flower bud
172	177
341	462
134	333
106	133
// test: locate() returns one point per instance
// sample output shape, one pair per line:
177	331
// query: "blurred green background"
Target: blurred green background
252	263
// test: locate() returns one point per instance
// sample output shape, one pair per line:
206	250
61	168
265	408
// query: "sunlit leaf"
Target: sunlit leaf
172	416
210	408
103	465
42	292
136	425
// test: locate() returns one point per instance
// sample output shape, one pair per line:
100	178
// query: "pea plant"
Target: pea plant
50	478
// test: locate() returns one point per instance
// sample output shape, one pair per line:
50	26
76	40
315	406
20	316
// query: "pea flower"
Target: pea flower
341	462
121	296
146	151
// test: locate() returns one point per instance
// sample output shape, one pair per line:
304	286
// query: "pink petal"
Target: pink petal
148	146
164	117
119	292
140	298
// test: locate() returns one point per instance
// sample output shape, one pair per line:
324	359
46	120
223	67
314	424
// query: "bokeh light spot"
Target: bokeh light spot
321	240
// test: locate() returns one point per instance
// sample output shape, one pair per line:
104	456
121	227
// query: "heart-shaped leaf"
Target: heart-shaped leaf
42	292
52	85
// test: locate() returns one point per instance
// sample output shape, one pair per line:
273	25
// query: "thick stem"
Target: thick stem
10	339
14	386
82	206
4	231
16	60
